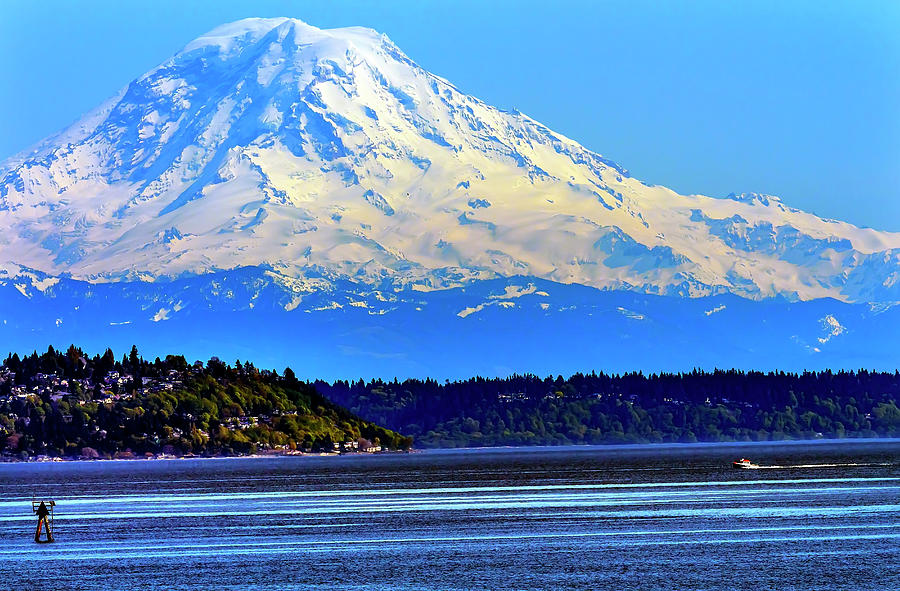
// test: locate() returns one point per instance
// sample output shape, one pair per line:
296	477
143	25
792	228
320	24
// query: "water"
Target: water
823	516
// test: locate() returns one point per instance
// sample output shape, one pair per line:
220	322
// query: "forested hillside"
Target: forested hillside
67	404
631	408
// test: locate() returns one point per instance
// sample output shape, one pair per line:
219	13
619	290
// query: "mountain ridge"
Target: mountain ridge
496	327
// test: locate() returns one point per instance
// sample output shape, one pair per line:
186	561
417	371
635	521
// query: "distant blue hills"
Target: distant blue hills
490	328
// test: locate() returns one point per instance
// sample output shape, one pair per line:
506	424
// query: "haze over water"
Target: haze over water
822	516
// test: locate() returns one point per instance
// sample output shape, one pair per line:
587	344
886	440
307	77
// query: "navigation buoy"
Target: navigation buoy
44	512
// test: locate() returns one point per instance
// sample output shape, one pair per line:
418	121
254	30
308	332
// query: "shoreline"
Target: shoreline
671	445
162	458
483	449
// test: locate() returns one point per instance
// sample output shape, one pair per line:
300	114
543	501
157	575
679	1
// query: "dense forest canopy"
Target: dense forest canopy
630	408
68	404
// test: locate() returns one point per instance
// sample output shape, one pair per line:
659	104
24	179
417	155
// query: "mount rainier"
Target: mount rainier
282	180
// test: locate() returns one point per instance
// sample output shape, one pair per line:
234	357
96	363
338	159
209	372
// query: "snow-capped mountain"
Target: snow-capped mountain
314	198
329	155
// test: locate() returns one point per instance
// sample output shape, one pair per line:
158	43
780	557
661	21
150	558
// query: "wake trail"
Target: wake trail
838	465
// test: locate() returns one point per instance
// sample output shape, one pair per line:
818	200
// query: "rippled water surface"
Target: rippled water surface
820	516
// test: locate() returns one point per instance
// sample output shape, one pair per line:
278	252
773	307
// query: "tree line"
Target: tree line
66	403
629	408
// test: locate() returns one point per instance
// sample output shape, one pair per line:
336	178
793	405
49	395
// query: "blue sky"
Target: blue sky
799	99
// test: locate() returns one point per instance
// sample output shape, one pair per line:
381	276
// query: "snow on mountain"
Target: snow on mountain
329	154
489	328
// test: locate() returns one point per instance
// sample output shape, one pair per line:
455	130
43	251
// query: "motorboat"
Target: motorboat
744	464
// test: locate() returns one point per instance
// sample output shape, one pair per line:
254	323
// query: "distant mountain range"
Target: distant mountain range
315	194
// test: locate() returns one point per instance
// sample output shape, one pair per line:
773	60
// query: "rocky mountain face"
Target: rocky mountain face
320	182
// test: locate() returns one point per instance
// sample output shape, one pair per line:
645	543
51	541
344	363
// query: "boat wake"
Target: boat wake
838	465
